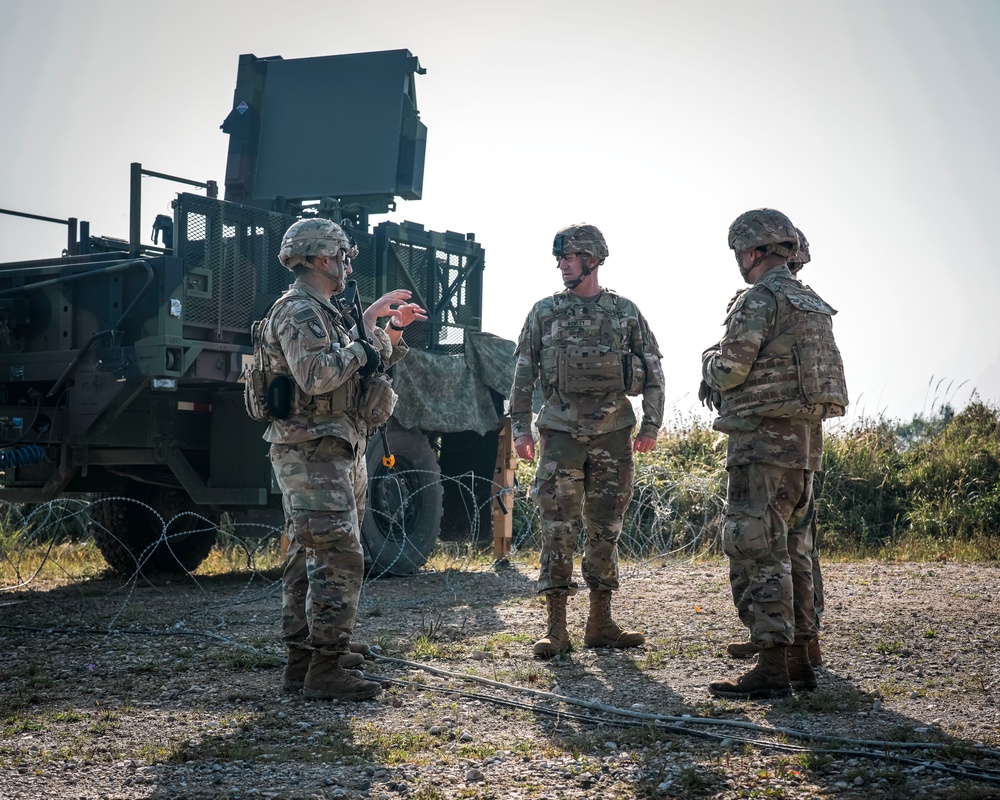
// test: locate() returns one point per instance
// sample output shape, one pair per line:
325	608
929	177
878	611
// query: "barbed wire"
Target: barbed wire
672	514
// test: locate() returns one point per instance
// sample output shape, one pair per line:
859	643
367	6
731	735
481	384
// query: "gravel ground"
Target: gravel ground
182	698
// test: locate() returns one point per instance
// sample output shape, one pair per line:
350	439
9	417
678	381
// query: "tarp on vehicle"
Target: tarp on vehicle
450	393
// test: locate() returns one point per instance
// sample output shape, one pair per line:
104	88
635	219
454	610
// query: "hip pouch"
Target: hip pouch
255	395
378	400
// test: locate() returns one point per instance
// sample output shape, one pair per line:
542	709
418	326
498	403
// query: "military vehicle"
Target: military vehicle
121	360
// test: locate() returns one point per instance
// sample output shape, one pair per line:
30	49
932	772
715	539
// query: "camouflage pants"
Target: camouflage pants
768	536
741	583
582	481
322	487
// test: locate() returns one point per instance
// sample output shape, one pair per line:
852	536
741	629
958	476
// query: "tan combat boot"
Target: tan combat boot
768	678
800	671
327	680
602	631
297	665
743	649
815	656
295	668
360	647
556	640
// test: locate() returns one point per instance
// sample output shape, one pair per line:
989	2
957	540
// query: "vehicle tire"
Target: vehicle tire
132	538
404	505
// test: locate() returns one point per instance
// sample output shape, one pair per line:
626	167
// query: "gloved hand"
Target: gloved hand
374	362
710	398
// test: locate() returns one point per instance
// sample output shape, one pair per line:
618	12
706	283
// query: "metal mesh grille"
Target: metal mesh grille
231	264
232	273
444	272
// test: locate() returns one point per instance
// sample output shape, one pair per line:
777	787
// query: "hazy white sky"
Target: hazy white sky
873	125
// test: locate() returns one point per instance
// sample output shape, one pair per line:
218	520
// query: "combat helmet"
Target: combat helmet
580	238
766	228
801	258
315	237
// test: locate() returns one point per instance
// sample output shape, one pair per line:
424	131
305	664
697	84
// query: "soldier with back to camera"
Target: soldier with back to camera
777	373
799	565
589	349
322	396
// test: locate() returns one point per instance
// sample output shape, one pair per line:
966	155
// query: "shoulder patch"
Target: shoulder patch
316	328
808	300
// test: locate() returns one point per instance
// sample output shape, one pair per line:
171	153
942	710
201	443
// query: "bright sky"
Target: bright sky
874	124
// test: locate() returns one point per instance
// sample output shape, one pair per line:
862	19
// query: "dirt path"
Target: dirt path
183	699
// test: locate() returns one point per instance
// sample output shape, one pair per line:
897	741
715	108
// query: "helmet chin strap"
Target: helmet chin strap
585	270
753	265
338	278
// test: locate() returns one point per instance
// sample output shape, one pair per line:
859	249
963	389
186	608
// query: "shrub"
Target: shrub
885	487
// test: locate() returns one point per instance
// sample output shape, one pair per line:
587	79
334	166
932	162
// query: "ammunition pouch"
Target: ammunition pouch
255	394
634	368
270	396
378	400
585	370
256	388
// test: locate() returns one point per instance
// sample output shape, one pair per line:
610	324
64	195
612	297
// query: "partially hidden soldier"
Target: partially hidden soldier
749	649
589	349
309	381
775	375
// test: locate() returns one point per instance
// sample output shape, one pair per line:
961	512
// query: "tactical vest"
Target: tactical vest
269	365
584	348
799	371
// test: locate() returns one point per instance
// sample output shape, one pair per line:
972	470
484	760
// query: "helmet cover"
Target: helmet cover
801	258
580	238
764	227
315	237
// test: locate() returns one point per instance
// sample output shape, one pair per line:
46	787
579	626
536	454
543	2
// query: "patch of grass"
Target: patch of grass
504	640
396	747
424	646
531	675
20	724
68	716
243	659
814	760
654	658
107	720
478	751
823	700
889	648
692	779
236	553
428	792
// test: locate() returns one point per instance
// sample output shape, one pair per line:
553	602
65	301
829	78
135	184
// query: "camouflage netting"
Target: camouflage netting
449	393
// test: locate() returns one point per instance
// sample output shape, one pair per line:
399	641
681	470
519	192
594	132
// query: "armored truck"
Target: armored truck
121	359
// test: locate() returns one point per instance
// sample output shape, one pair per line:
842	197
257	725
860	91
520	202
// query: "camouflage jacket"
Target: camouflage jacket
753	329
567	341
307	334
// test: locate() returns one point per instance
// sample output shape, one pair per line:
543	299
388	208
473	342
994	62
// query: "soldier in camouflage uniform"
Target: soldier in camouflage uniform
317	444
778	374
589	349
741	584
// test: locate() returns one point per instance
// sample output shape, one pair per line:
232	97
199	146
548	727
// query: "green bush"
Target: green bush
926	488
861	498
953	478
